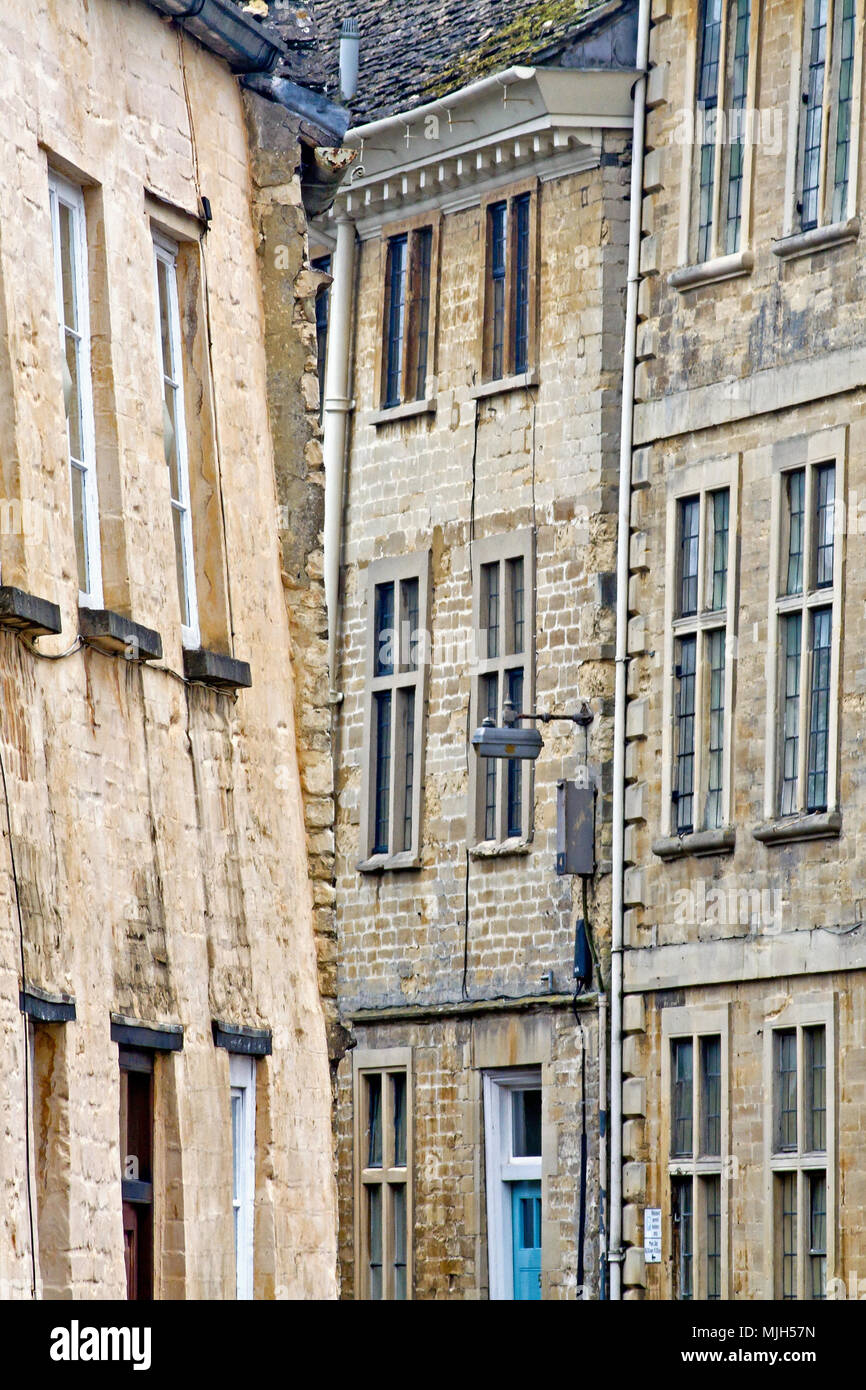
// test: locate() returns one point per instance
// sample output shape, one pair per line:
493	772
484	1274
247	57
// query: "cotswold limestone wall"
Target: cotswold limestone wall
546	458
159	828
731	370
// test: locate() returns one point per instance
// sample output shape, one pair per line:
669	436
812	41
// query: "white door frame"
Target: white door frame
502	1169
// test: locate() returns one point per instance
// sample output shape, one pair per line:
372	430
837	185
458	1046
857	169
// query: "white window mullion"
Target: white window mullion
174	427
70	258
242	1076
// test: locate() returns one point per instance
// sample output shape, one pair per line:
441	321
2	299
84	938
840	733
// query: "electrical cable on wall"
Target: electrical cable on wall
27	1077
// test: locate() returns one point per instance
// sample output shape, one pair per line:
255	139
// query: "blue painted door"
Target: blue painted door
526	1239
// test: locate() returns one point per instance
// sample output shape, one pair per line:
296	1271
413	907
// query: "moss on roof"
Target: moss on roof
527	33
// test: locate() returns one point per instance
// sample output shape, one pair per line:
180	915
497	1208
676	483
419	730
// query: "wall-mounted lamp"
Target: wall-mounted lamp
522	744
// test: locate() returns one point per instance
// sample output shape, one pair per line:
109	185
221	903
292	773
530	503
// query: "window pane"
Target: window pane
825	494
681	1197
383	771
398	1220
815	1040
813	97
79	526
374	1121
526	1123
817	1235
720	502
515	579
786	1089
409	634
514	809
422	310
521	284
787	1198
710	27
490	606
738	21
715	771
164	318
396	319
407	707
685	716
846	11
383	632
791	635
490	710
819	710
398	1110
689	522
179	563
711	1096
497	233
796	486
374	1240
681	1098
72	397
712	1192
237	1132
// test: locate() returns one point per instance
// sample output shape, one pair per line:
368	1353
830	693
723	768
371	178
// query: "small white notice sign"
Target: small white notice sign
652	1235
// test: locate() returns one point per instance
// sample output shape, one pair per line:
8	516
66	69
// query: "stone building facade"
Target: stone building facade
745	957
478	530
167	872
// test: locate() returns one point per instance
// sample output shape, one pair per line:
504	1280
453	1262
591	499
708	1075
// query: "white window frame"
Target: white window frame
382	1062
796	111
166	252
691	1025
825	446
60	190
513	545
502	1168
689	203
395	571
816	1010
242	1078
699	479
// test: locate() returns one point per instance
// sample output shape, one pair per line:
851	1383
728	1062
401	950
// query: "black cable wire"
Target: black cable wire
26	1031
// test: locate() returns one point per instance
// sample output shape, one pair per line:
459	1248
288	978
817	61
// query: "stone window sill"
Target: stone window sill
111	632
822	825
404	412
38	617
818	239
504	384
488	849
696	845
382	863
691	277
213	668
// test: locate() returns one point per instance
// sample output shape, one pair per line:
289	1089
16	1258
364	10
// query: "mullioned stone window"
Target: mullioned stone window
510	282
700	636
799	1141
503	621
804	643
397	667
695	1115
383	1173
406	370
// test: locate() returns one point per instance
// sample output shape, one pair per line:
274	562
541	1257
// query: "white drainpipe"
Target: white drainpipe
335	425
615	1254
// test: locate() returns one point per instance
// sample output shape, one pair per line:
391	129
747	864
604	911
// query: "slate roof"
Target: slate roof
413	51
